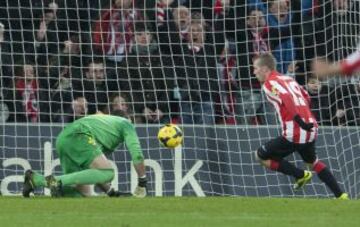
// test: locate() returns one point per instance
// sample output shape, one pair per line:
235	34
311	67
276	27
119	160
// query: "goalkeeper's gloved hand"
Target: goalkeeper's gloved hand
302	124
140	190
113	193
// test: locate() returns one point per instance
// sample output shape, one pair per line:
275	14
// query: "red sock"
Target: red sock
274	165
327	177
285	167
318	166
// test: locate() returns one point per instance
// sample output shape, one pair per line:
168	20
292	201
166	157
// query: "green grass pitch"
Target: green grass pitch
180	211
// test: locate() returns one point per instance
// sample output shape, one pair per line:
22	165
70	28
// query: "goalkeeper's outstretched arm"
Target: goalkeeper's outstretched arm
347	66
140	190
133	144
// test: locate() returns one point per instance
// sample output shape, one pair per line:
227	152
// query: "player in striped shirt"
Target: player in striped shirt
299	127
347	66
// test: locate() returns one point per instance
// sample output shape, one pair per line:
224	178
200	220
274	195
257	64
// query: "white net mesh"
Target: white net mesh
181	61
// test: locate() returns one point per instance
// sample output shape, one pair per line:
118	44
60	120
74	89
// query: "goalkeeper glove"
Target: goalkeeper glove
113	193
302	124
140	190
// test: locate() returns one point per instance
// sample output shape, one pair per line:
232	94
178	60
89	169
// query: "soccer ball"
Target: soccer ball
170	136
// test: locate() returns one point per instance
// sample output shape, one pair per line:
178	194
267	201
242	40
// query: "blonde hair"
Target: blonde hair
266	59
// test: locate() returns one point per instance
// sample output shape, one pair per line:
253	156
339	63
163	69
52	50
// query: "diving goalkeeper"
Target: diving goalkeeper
81	147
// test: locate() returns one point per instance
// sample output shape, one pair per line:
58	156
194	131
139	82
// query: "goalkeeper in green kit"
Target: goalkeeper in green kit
81	147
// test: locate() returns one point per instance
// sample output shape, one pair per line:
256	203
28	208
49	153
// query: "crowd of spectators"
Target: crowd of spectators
159	61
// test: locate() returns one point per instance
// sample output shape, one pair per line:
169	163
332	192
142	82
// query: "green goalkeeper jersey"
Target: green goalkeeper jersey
110	131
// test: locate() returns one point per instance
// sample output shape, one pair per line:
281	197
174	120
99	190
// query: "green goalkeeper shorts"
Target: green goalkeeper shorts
77	148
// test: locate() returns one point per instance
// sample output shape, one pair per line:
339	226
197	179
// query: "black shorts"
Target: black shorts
279	148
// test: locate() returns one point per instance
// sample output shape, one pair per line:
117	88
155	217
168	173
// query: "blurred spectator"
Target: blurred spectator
252	41
214	30
113	32
291	31
6	68
62	76
229	87
219	15
174	31
214	17
320	96
198	79
27	98
5	75
191	36
49	34
96	87
23	16
280	16
292	68
339	29
68	59
347	105
6	58
77	109
4	110
72	50
62	91
159	11
79	15
80	108
225	12
148	79
310	7
120	107
257	4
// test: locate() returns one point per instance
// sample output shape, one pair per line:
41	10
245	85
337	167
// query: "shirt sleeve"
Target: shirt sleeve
132	143
351	64
271	93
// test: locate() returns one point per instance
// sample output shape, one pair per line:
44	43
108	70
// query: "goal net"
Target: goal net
187	62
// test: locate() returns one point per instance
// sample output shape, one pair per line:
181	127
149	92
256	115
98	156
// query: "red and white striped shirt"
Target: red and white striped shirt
114	32
351	64
290	99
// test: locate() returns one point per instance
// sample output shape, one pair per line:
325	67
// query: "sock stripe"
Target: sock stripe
319	166
274	165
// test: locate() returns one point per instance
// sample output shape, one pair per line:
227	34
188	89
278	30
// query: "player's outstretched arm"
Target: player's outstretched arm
347	66
111	192
133	145
323	69
138	159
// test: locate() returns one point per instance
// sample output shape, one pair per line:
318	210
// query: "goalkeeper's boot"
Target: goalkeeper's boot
302	181
28	186
344	196
113	193
55	186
